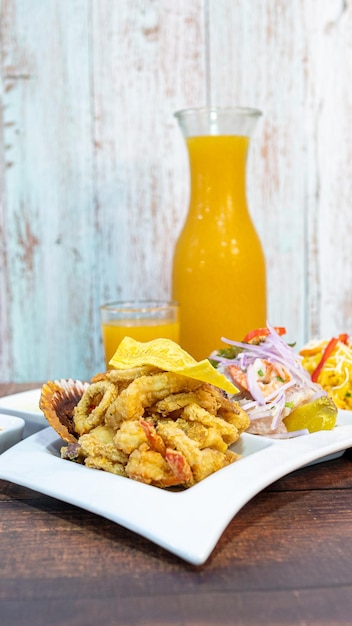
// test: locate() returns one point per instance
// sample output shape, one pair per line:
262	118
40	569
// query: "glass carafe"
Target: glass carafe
219	275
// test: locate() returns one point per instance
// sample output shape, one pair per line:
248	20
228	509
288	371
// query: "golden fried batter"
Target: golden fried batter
144	392
205	396
152	468
149	467
102	463
232	412
202	462
174	402
195	413
100	442
157	427
124	377
92	407
204	436
129	436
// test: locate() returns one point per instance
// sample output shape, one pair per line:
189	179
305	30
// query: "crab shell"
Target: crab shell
57	401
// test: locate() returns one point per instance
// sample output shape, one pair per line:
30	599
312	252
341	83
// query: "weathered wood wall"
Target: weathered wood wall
93	171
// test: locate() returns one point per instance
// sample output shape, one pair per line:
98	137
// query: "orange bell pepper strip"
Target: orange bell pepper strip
329	349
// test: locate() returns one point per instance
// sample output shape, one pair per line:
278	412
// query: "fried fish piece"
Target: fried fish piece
204	396
100	452
232	412
100	441
155	464
102	463
205	436
228	432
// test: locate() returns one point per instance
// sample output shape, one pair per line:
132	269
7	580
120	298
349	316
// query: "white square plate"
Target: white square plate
187	523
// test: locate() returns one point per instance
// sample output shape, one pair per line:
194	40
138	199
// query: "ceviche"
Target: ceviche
274	388
329	363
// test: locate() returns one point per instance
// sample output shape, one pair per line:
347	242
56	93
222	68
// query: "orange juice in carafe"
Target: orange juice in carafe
219	275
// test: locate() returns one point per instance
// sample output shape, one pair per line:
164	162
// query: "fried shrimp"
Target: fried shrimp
148	466
159	465
202	462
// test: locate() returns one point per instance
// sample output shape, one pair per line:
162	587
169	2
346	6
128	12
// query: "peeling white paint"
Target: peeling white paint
94	174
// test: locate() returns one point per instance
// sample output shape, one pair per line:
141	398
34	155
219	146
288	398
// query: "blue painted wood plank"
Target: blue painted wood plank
49	209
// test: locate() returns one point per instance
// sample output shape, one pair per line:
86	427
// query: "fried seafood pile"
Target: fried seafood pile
154	426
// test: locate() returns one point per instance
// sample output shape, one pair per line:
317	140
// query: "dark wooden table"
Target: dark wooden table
286	558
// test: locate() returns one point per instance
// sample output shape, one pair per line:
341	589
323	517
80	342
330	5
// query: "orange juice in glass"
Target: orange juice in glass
142	320
219	275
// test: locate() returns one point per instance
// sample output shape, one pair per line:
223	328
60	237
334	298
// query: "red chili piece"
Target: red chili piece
343	337
263	332
327	352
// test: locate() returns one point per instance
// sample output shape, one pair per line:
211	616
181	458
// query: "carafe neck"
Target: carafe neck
218	175
217	140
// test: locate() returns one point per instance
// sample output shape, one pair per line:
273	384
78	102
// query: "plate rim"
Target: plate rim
170	519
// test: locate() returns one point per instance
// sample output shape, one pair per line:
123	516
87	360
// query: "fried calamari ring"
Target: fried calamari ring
91	409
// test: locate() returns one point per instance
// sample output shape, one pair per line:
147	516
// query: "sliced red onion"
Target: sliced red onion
253	386
274	350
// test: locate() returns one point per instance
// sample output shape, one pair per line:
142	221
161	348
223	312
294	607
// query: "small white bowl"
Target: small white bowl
11	431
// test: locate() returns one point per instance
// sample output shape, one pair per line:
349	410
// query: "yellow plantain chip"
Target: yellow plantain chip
170	357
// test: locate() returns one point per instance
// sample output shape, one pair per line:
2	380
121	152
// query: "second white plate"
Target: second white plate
26	405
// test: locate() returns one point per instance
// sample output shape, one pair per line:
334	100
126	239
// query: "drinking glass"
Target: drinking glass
142	320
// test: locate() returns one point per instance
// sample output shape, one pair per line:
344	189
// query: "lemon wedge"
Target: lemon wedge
170	357
320	414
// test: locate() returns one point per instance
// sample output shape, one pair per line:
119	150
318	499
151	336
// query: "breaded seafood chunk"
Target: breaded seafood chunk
158	427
